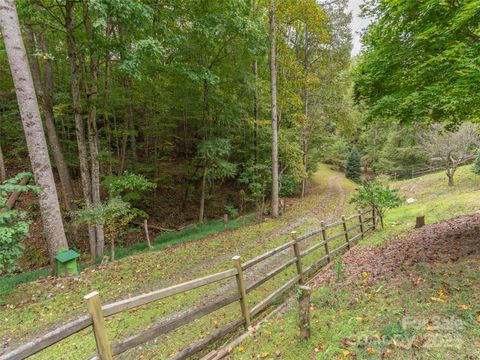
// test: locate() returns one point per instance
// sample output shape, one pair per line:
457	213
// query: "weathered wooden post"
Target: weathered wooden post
296	250
304	312
374	219
225	220
324	238
147	235
95	310
345	230
242	290
360	219
420	222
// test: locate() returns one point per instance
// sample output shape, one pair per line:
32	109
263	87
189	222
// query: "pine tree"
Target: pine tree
476	165
353	166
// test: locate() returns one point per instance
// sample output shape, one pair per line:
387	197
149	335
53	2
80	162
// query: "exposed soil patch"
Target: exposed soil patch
446	241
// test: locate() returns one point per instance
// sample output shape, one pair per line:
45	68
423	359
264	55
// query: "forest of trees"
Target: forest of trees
214	103
177	110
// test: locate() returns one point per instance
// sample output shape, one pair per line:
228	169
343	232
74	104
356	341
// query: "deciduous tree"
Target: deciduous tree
32	124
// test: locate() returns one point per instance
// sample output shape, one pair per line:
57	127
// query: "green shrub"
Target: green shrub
377	196
14	225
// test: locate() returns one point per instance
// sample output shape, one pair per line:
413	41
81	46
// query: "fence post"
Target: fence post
304	312
360	219
374	220
296	249
345	231
324	237
95	310
242	290
225	220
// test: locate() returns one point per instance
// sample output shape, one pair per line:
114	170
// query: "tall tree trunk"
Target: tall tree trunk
92	90
305	165
273	71
32	125
77	110
305	134
3	172
44	90
256	108
201	215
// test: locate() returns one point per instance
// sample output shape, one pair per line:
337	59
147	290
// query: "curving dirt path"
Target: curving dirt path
335	192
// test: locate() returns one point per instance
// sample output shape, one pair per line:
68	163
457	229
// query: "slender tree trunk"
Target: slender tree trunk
94	144
3	172
273	70
44	90
77	109
202	197
256	108
305	165
32	125
305	134
126	127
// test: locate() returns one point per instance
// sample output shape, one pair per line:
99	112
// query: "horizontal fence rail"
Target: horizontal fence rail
297	251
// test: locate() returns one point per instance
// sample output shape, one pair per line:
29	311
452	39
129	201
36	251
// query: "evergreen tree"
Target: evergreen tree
352	167
476	165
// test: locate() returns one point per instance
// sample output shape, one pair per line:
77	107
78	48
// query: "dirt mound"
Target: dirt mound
442	242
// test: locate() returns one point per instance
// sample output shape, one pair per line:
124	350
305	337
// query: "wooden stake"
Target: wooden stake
360	219
95	309
324	238
145	225
374	217
345	231
304	312
296	250
225	221
420	222
242	290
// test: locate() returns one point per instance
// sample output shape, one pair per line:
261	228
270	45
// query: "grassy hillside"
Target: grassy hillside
434	199
427	311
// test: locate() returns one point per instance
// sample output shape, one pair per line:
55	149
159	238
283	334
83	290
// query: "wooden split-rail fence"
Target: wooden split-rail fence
352	229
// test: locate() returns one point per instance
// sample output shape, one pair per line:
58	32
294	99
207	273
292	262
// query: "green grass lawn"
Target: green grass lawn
434	199
36	307
382	321
437	304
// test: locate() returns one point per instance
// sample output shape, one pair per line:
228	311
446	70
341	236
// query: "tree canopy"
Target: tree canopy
421	61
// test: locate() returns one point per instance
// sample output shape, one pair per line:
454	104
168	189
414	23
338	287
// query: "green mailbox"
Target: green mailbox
66	262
